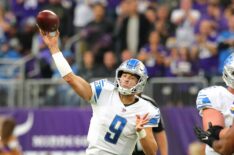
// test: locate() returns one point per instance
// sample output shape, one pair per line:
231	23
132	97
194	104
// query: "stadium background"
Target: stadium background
182	56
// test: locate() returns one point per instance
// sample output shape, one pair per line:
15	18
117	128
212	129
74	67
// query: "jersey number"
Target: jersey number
115	129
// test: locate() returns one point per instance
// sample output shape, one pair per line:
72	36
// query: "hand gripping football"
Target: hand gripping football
47	21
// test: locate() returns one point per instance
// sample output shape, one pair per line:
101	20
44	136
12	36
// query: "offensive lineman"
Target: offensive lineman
216	106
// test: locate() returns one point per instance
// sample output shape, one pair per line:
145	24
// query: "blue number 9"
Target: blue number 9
116	128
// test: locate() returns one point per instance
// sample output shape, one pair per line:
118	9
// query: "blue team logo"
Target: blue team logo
229	60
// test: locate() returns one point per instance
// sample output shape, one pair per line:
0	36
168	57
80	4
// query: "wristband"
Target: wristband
61	64
141	134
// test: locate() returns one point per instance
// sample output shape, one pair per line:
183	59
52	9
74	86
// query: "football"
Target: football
47	21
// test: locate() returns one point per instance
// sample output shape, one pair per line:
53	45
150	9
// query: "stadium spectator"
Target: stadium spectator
179	63
152	55
26	34
204	50
107	69
4	24
216	15
5	4
228	11
114	132
83	14
143	5
135	29
125	55
225	43
97	34
88	68
9	144
111	8
201	6
150	14
227	3
185	18
215	105
159	133
8	52
170	62
44	63
23	9
122	13
162	24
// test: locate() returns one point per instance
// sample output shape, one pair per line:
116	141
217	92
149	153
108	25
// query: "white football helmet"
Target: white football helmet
136	67
228	71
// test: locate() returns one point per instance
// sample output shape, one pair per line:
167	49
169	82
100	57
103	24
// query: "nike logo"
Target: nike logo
206	138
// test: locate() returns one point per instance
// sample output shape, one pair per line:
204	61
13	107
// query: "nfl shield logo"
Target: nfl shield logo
123	110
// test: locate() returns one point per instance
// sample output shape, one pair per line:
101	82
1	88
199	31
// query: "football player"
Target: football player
215	105
119	116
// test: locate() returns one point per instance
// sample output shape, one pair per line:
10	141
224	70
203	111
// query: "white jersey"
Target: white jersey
218	98
112	127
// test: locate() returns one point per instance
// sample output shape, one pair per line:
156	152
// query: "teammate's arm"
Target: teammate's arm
148	143
226	144
161	139
158	132
216	118
81	87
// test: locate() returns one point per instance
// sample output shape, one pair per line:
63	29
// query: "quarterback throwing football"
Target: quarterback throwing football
119	116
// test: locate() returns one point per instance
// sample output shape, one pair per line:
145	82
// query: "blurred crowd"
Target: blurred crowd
180	38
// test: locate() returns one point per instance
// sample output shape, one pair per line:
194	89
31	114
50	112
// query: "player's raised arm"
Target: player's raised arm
82	87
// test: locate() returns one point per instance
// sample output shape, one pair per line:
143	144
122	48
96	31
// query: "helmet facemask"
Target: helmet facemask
228	71
228	76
